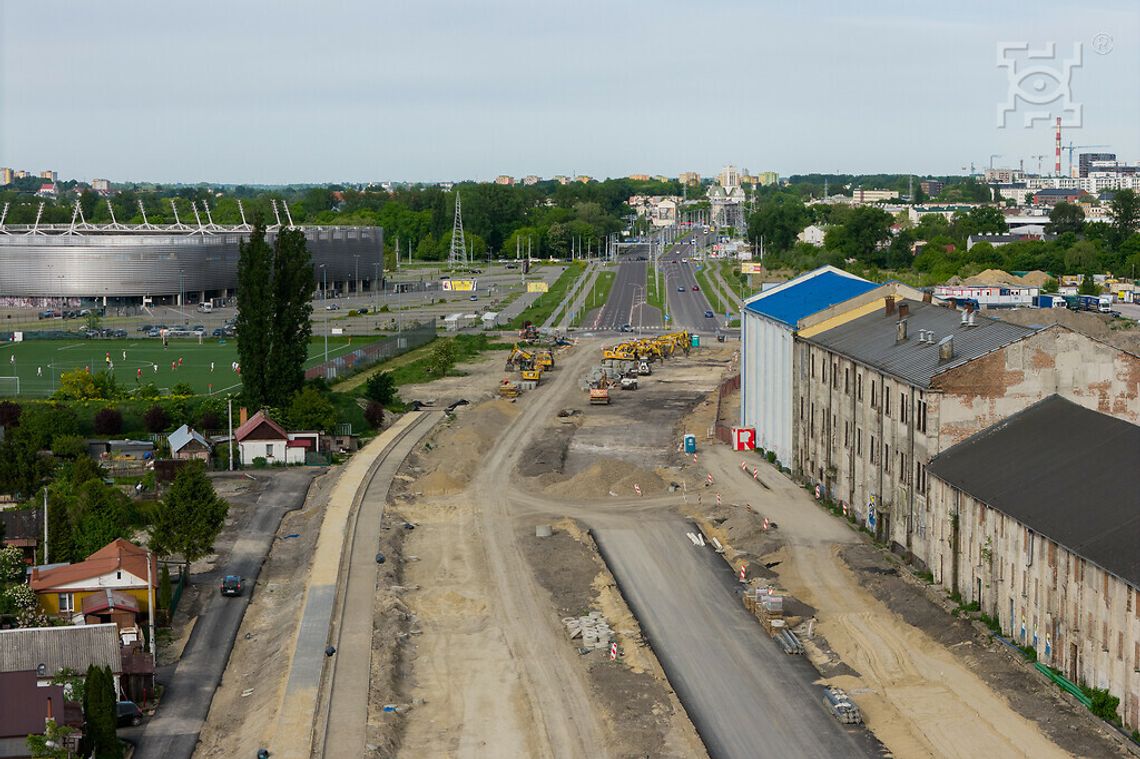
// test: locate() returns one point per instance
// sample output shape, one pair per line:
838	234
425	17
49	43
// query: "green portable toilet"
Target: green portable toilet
696	341
690	443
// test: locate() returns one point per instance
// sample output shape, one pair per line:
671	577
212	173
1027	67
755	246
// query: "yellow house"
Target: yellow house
110	585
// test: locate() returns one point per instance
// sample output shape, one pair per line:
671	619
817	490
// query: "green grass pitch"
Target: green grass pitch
39	363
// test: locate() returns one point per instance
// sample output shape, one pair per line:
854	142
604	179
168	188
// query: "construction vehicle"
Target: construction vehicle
544	360
531	375
520	359
508	389
529	332
600	391
629	383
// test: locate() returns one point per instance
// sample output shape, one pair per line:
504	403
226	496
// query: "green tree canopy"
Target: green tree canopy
1066	217
311	410
190	517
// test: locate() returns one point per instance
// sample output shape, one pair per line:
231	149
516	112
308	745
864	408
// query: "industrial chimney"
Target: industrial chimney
904	310
890	308
946	348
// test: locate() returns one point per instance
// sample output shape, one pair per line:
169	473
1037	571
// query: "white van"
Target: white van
205	307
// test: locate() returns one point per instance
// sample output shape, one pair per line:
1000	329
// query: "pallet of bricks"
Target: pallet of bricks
768	606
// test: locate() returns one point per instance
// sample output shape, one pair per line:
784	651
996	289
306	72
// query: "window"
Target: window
811	422
874	397
886	458
847	434
813	365
823	372
902	407
903	471
920	414
886	400
269	451
859	385
835	375
847	380
919	477
859	448
871	449
66	603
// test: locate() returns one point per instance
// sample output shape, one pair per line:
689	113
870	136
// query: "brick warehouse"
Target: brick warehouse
1030	520
877	397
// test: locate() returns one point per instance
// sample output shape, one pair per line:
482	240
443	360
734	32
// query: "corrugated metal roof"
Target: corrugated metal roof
871	340
183	435
1056	467
811	294
73	646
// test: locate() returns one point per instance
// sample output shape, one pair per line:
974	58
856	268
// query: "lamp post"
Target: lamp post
325	289
356	276
182	294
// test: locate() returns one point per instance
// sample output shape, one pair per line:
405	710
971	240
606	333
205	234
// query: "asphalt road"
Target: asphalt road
745	696
628	288
173	731
686	306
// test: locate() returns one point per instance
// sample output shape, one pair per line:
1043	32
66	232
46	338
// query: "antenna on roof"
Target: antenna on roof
74	214
4	215
197	216
36	227
174	208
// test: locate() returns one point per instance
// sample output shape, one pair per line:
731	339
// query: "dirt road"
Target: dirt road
917	698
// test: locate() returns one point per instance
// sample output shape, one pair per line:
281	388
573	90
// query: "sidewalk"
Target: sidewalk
586	285
297	712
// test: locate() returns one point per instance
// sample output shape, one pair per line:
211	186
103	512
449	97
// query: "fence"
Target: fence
722	431
383	349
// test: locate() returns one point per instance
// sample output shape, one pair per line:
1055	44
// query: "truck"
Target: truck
1099	303
1049	301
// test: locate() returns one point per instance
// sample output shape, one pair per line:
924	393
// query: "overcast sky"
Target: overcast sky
297	91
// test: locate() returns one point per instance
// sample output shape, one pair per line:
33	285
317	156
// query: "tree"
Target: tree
441	357
1051	286
1088	286
108	421
1125	211
156	419
100	716
311	410
860	236
190	517
10	414
1066	217
68	446
102	514
255	313
291	325
165	592
76	385
52	744
374	414
381	387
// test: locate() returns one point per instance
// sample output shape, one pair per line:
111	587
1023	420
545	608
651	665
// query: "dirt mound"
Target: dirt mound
993	277
604	477
461	445
1035	278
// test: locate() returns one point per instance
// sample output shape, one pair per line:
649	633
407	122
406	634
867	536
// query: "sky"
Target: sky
296	91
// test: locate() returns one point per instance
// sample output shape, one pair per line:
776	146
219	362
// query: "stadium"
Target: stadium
142	264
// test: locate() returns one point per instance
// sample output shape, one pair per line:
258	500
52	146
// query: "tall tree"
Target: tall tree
100	716
191	515
1125	210
291	325
255	313
1066	217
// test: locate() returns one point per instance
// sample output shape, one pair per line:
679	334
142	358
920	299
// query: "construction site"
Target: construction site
575	564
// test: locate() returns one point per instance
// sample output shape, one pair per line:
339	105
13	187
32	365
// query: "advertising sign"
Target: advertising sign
537	287
747	267
460	285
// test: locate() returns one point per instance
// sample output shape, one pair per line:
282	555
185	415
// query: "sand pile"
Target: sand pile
1035	278
604	477
459	448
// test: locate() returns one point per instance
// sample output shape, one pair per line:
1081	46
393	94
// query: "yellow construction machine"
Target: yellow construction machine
508	389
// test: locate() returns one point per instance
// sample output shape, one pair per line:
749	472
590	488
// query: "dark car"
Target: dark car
128	713
232	586
219	332
708	313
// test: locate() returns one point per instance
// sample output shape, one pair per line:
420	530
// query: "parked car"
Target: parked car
128	713
474	297
218	332
332	307
232	585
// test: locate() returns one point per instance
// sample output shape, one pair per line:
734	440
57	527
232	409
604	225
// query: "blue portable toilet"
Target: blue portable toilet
696	341
690	443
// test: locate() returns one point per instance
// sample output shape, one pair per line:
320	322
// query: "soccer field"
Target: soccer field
205	366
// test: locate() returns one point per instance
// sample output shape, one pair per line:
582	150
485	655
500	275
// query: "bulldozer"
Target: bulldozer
508	389
531	375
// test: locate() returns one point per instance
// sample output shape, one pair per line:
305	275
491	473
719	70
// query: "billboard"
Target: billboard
460	285
751	268
537	287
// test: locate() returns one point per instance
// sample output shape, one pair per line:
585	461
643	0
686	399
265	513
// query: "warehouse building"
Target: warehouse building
1032	519
878	396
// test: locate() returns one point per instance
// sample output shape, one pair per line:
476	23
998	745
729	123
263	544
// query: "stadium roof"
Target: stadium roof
872	340
808	294
1061	470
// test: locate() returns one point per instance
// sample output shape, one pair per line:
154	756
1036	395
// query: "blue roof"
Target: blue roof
802	299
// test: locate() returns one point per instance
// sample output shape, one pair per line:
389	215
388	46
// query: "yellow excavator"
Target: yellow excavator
544	360
520	359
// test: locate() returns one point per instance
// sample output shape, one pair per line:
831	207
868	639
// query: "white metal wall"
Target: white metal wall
766	383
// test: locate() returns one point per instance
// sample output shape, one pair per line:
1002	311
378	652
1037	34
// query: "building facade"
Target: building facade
1038	532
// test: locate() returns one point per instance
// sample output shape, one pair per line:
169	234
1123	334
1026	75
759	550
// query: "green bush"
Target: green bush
1030	653
771	456
260	462
1104	704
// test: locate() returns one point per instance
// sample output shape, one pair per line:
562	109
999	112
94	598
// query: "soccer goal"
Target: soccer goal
6	386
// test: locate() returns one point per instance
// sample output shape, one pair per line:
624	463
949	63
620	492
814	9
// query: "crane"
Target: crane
992	157
1071	147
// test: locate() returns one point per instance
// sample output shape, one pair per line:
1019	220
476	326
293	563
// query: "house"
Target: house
1039	533
813	234
109	585
22	528
120	450
44	651
262	438
47	190
186	443
26	705
1051	196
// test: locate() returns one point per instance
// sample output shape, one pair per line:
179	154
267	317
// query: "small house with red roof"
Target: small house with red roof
262	438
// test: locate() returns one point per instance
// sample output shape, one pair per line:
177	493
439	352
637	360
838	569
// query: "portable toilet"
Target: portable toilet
696	341
690	443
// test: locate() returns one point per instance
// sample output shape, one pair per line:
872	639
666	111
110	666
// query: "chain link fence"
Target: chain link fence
348	364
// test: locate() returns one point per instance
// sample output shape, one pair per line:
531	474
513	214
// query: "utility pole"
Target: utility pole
230	405
45	526
150	602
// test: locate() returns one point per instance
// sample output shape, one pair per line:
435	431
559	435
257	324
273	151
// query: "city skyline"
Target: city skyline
445	92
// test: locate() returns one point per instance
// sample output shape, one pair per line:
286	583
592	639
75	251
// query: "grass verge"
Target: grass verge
539	311
603	283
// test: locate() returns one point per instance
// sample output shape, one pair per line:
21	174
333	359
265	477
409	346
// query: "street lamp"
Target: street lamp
356	276
324	294
182	294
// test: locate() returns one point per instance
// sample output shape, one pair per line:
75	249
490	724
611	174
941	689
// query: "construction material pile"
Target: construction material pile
594	631
841	706
768	606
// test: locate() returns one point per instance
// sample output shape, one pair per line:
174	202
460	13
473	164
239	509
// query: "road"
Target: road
687	307
745	696
173	732
628	289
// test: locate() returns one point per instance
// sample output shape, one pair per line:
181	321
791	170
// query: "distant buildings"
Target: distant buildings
930	187
583	178
503	179
101	185
859	195
6	176
812	234
1085	161
728	177
689	178
661	210
638	177
46	191
49	175
531	179
561	179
